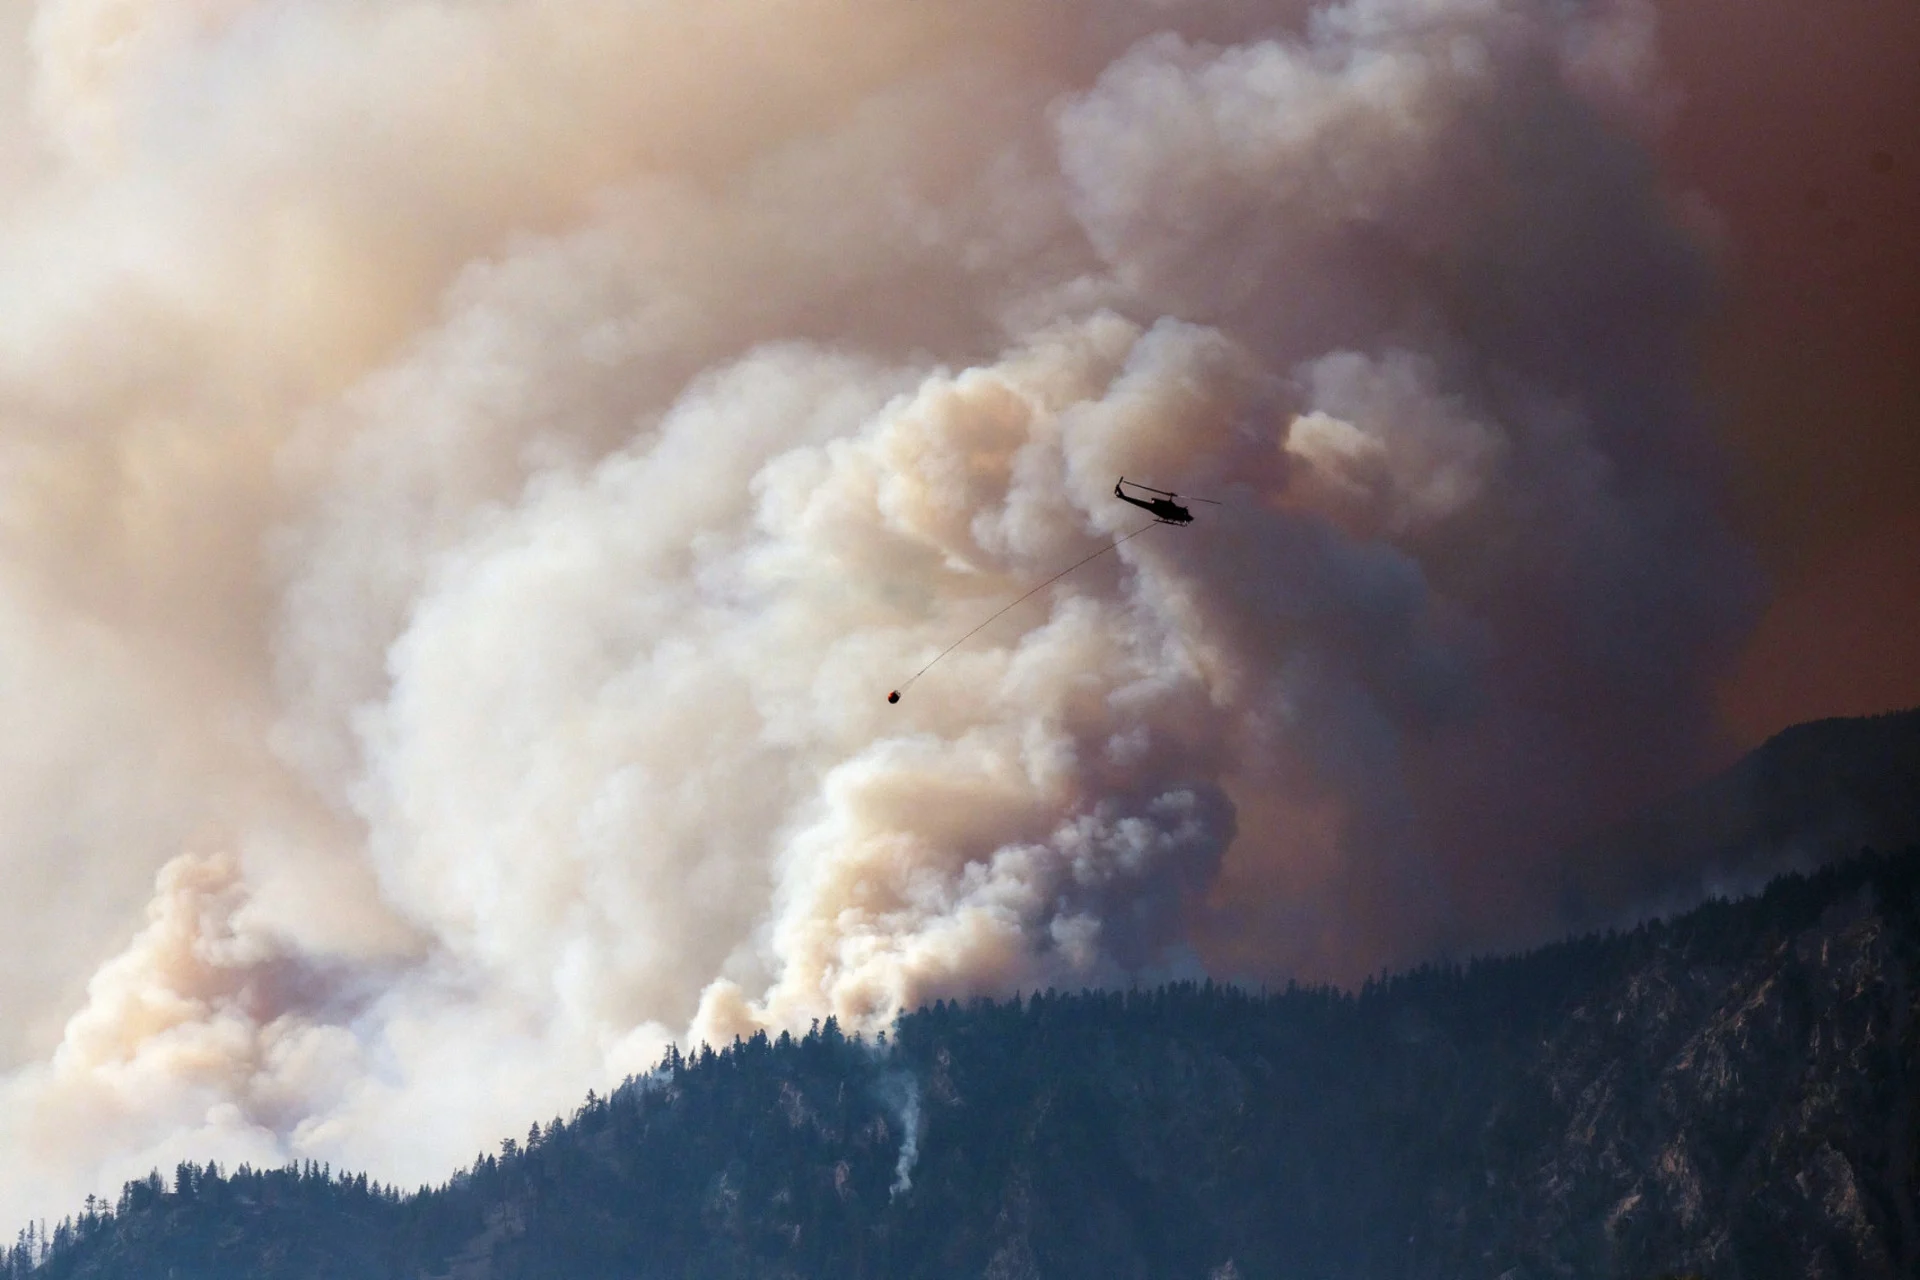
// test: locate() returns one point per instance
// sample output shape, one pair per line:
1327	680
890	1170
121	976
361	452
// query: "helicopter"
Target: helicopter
1164	508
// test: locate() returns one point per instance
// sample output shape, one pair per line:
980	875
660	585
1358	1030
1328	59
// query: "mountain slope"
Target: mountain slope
1732	1093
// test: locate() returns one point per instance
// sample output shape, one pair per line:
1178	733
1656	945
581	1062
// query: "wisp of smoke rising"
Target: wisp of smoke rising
901	1092
467	471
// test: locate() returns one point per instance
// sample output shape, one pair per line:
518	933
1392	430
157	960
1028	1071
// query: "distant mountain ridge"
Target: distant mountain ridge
1729	1093
1810	794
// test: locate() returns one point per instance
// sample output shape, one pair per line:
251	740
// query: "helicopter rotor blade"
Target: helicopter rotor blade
1135	484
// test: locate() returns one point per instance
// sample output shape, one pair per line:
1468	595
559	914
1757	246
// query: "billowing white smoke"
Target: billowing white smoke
470	474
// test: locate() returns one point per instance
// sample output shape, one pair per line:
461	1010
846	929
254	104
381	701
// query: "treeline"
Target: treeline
305	1190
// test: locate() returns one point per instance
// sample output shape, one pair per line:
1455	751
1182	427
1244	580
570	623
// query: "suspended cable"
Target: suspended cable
896	694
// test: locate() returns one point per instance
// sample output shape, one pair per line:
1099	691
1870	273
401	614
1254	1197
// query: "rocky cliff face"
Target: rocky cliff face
1739	1105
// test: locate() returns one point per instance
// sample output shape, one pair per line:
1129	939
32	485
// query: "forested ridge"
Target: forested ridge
1729	1093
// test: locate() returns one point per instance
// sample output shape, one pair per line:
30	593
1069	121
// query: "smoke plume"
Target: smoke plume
902	1093
470	475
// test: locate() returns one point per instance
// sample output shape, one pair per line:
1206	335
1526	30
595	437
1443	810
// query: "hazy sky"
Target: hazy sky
1801	125
470	473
